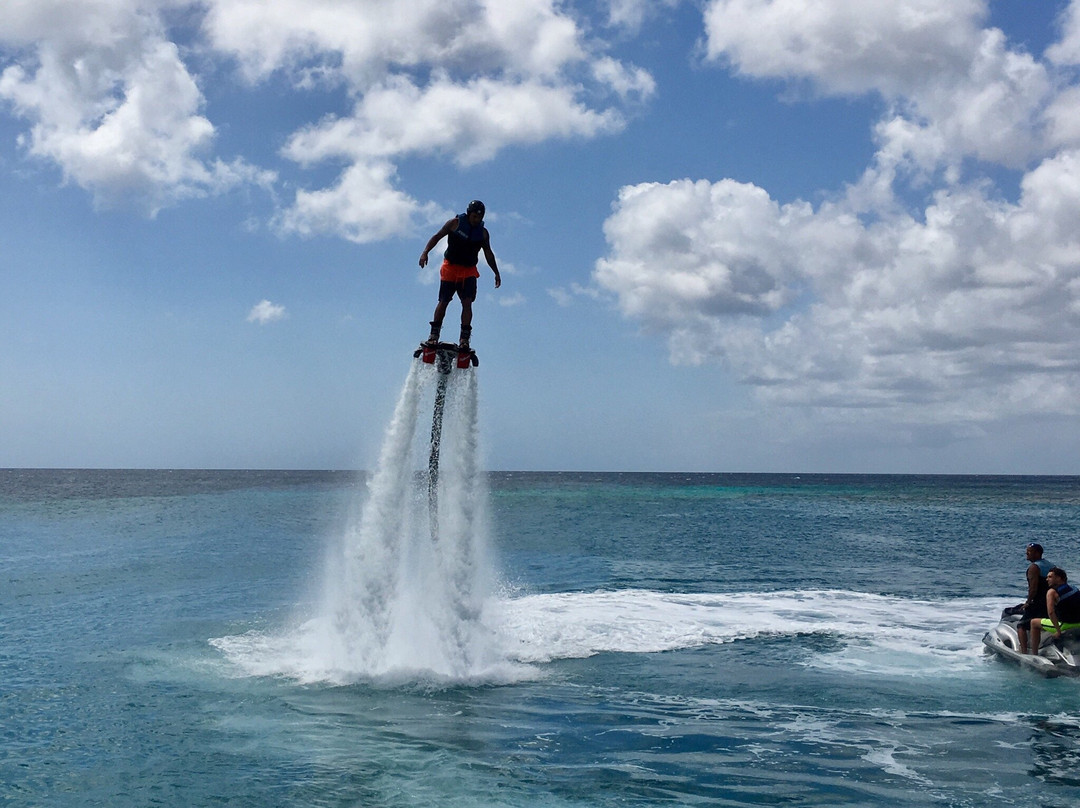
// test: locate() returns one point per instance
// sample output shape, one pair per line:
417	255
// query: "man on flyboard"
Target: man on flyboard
465	236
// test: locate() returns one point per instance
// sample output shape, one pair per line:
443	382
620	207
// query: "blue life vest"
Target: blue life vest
463	245
1068	605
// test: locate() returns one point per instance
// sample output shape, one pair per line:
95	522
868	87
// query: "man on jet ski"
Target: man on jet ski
1062	606
1034	608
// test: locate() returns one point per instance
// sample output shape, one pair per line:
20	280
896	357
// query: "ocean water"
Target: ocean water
190	638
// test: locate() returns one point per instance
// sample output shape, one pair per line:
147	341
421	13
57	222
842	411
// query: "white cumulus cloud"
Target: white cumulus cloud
112	103
111	93
363	41
519	74
265	312
959	82
632	14
956	311
363	206
1066	51
970	311
466	122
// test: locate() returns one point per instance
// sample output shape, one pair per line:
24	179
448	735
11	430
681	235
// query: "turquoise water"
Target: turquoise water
644	639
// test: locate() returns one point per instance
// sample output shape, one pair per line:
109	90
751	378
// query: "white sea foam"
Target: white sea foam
876	633
408	593
885	757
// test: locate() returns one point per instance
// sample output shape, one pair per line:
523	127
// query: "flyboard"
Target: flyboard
445	356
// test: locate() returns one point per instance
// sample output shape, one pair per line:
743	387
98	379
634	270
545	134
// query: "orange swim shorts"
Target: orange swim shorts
456	272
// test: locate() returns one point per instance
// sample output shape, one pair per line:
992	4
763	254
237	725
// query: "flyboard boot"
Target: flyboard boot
429	347
465	354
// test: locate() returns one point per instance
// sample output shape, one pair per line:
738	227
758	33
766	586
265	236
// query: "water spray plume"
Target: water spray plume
407	597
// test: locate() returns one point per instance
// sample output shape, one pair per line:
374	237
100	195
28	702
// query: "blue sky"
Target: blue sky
735	235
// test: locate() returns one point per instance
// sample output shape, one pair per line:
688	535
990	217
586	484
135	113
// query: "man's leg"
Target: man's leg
440	311
437	320
1036	634
466	322
466	294
1021	632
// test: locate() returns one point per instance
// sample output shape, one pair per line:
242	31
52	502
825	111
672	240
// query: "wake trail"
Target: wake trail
873	633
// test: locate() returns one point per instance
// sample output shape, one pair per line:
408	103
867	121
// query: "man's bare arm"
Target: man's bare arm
489	256
1033	579
443	231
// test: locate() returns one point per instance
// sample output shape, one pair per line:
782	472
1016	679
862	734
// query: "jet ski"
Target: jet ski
1056	657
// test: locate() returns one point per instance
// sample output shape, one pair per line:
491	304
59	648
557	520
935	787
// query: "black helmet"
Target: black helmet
476	206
